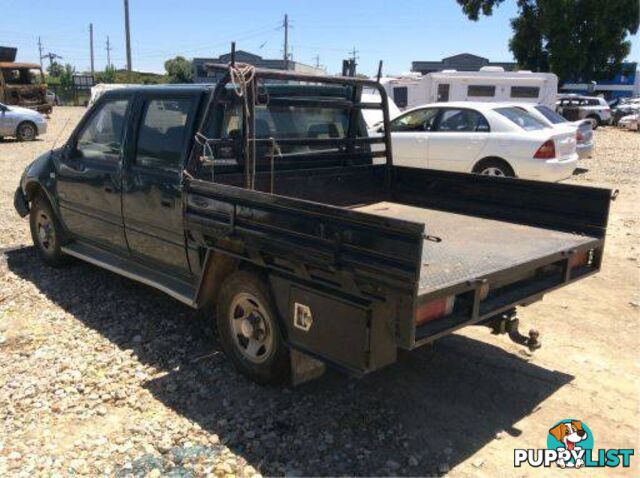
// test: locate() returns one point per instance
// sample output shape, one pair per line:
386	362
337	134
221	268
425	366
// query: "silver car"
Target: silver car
23	123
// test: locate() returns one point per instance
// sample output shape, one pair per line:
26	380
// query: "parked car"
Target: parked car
302	246
594	108
630	122
625	107
23	123
582	128
493	139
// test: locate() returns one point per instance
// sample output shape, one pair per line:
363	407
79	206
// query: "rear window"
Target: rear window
521	118
525	91
551	115
481	90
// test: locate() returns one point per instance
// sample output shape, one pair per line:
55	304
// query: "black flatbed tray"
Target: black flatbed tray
471	247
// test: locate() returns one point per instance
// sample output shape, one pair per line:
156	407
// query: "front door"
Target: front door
89	176
409	137
151	200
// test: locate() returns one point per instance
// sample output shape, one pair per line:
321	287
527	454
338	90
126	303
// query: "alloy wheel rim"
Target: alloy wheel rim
27	132
251	328
493	172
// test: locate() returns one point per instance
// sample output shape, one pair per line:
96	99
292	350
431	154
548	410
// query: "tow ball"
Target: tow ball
508	324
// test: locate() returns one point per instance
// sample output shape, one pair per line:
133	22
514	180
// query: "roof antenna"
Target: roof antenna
379	71
233	53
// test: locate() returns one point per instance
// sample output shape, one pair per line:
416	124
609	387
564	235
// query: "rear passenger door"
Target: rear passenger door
151	199
459	136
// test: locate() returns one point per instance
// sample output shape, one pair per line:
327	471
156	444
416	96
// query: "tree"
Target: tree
179	70
107	76
66	76
55	69
580	40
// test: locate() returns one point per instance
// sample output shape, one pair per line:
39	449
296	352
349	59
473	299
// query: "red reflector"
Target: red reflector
579	136
434	309
546	151
580	259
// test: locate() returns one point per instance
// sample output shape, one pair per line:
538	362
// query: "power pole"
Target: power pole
91	47
127	33
109	48
41	56
317	59
286	41
354	63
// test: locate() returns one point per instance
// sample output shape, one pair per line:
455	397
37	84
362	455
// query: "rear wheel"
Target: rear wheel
494	167
595	121
26	131
46	233
249	330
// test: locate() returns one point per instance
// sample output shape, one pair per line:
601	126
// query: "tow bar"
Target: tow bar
507	323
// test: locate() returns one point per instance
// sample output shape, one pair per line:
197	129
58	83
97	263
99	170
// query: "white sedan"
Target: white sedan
484	138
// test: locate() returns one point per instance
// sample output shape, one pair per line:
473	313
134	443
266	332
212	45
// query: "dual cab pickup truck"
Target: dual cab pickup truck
262	201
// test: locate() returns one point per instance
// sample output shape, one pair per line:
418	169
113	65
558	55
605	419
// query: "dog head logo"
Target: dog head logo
569	433
571	438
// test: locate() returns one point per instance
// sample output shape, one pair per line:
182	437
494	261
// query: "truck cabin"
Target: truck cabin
22	84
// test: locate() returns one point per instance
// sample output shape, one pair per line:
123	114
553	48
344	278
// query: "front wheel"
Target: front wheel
249	331
26	131
46	233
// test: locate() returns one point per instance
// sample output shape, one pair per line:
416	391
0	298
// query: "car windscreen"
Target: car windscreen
551	115
521	118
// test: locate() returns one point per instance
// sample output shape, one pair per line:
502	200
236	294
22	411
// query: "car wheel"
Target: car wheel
26	131
494	167
46	233
249	330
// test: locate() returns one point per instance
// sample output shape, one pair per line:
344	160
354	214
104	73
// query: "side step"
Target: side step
178	289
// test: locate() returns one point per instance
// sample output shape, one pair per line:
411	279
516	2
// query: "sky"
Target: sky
395	31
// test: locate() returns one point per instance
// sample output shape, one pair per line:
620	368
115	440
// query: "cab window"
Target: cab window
101	137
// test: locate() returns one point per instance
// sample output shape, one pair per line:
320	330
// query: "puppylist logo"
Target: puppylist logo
570	444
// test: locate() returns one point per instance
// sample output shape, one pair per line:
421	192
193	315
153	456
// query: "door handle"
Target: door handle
168	203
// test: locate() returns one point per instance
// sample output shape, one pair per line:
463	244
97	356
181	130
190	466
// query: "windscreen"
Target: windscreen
521	118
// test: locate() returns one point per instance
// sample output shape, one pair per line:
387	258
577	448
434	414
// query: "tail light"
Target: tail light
581	259
435	309
546	151
579	136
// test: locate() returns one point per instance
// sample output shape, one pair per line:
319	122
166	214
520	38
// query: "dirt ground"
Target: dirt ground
100	376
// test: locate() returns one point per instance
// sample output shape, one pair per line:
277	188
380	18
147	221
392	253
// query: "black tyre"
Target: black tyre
595	121
249	331
26	131
494	167
46	232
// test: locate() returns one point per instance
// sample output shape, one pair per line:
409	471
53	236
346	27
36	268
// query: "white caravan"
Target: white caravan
489	84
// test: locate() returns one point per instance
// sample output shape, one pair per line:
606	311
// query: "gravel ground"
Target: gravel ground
101	376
